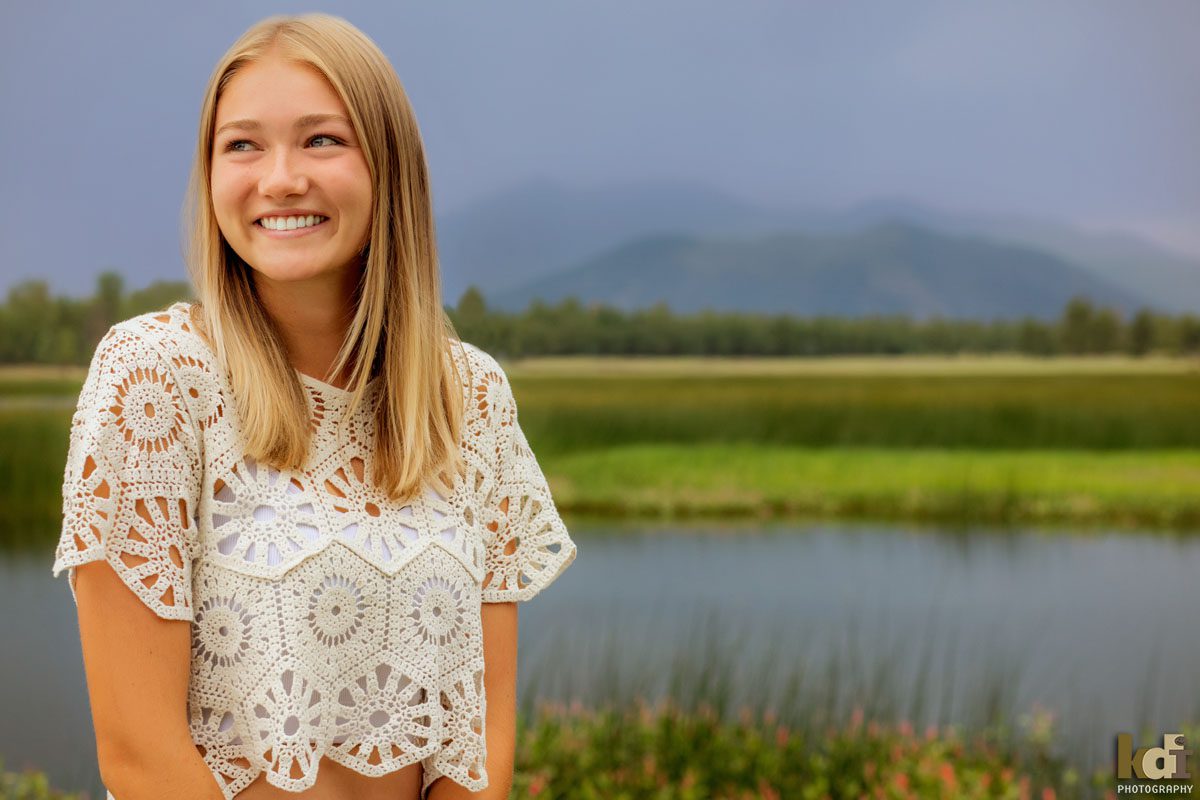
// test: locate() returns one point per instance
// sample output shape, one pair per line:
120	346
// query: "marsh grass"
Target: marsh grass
33	453
31	784
719	715
714	725
957	487
853	365
1095	442
1085	411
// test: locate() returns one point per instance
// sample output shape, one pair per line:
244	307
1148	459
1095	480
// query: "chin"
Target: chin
283	273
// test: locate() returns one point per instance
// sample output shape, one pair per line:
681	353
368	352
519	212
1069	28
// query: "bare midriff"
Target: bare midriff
338	782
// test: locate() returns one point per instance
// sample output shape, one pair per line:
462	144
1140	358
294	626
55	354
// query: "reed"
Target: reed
713	725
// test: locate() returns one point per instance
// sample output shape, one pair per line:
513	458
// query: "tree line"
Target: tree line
38	328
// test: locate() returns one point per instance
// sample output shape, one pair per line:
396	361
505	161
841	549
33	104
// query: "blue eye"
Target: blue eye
232	147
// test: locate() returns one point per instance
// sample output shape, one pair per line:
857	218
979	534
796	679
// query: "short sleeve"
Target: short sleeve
528	546
132	477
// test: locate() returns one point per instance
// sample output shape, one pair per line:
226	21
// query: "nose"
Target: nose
282	178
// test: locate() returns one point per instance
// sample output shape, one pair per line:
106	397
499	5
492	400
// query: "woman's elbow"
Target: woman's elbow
150	773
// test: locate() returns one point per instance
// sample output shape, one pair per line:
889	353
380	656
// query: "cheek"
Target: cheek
357	187
221	194
228	200
353	196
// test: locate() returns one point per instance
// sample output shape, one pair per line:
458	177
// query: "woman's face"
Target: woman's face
284	148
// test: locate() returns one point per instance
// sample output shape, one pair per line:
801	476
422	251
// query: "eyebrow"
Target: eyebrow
305	121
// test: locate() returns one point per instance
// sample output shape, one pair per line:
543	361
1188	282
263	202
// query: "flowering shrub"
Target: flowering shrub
28	785
665	754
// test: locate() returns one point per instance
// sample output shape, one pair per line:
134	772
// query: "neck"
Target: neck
312	318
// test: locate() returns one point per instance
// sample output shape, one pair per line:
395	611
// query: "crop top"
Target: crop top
327	620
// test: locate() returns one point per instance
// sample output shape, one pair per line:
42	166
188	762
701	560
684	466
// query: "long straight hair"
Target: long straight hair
400	331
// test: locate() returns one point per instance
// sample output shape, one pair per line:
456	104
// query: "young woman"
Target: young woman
307	468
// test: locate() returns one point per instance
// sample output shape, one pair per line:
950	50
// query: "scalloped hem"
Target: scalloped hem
230	788
160	610
430	774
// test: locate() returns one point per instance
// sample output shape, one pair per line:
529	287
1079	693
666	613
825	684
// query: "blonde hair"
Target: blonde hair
400	330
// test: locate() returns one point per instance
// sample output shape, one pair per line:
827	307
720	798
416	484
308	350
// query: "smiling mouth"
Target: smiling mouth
291	223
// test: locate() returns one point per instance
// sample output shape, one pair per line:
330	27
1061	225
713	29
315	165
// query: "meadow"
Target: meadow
1096	440
1103	440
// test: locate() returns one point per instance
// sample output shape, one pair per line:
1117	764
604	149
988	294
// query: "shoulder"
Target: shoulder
160	356
481	366
171	334
487	391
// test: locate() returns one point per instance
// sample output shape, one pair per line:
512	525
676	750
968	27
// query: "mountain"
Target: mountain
889	268
540	228
1171	280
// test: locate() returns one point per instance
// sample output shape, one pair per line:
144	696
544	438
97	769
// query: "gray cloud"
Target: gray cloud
1083	111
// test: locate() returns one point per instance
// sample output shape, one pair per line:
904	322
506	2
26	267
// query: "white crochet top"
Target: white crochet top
327	621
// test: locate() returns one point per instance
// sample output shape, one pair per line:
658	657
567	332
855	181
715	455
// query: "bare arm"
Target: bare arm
137	667
500	686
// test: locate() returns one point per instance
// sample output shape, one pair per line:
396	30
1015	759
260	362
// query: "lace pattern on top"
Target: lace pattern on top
327	621
131	485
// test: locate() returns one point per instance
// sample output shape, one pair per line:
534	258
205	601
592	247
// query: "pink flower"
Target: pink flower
766	791
781	736
946	772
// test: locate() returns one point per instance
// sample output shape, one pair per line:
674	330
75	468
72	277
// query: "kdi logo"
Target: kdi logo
1145	762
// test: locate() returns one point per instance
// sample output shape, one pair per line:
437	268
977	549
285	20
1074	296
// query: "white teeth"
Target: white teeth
290	223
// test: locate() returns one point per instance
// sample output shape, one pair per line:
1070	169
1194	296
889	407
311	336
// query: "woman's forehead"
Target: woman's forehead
277	90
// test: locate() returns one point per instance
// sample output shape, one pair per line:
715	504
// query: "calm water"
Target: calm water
1101	629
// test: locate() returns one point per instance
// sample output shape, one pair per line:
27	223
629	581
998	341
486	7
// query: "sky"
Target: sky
1083	111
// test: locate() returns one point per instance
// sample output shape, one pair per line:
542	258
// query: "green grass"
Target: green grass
41	380
31	784
1147	488
662	751
1034	411
1094	441
33	455
844	728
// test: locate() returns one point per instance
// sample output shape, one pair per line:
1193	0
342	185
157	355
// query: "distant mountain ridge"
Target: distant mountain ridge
889	268
523	243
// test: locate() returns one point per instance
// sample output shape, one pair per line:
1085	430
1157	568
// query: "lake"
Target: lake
1094	626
